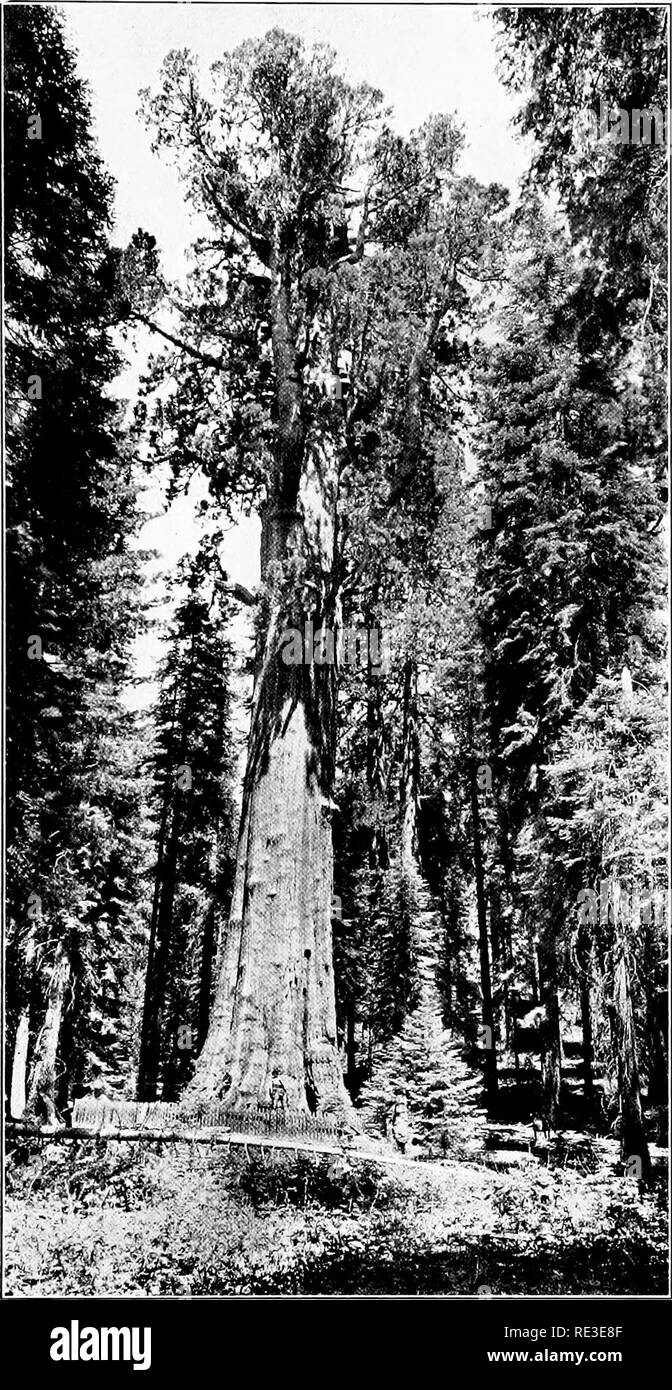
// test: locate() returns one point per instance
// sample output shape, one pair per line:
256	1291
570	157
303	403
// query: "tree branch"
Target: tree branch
239	591
258	243
207	357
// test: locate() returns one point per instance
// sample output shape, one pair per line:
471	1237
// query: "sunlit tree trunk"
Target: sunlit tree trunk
487	1006
274	1006
551	1050
488	1012
42	1090
17	1102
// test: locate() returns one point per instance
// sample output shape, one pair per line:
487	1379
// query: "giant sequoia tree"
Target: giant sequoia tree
269	161
331	237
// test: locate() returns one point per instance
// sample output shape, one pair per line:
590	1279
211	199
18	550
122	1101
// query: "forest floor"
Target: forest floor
130	1219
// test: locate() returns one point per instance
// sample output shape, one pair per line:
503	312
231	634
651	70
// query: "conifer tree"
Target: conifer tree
195	852
74	790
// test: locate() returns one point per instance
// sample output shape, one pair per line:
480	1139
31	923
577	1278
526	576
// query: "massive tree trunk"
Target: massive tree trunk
274	1005
42	1091
274	1011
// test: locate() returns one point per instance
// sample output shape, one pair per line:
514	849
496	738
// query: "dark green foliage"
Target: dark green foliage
193	779
423	1063
75	777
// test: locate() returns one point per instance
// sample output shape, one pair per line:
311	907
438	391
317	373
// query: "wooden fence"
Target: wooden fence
156	1116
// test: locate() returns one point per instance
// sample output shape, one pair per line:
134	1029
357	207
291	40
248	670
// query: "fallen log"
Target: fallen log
246	1141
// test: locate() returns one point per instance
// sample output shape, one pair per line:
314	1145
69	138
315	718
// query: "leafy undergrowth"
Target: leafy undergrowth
119	1219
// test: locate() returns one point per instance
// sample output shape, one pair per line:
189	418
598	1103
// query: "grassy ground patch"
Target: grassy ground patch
121	1219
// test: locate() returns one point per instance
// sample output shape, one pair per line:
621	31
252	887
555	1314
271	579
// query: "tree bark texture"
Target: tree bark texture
273	1022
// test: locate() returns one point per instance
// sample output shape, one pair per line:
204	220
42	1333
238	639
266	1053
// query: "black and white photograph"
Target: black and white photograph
336	616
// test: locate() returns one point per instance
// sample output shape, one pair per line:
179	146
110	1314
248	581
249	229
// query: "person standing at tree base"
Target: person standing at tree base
278	1092
399	1126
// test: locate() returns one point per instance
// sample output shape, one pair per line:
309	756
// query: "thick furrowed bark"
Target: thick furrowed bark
274	1008
272	1034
